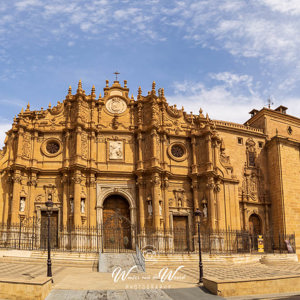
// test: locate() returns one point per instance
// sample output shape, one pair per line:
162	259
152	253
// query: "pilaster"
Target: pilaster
155	196
211	203
17	179
77	190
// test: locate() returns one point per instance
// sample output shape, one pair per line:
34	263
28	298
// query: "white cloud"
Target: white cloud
4	127
25	4
291	7
223	101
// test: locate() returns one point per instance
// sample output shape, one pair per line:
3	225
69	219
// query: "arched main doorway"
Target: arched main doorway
116	224
255	230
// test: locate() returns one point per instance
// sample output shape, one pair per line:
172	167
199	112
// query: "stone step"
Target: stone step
108	262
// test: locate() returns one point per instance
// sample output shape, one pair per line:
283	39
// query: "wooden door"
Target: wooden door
255	230
116	224
53	230
180	225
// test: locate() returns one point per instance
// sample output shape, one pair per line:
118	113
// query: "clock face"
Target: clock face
116	105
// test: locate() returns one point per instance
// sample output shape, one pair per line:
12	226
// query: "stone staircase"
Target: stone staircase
68	259
108	262
192	260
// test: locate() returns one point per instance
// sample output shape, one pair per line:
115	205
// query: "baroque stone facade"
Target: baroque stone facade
163	162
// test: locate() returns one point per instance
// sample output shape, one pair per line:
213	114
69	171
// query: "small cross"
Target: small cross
116	73
270	103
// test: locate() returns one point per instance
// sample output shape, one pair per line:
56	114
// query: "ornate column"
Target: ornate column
220	207
32	183
166	202
17	179
154	147
155	196
78	143
35	149
10	149
211	203
208	152
77	190
65	183
194	158
20	145
66	148
92	200
93	149
141	187
164	164
140	152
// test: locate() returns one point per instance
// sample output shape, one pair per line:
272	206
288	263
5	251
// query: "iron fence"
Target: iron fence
33	236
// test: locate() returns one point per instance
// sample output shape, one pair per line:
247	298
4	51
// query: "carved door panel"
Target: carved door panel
181	234
116	224
53	230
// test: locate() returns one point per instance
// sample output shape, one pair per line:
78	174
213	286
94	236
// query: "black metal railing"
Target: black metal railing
33	236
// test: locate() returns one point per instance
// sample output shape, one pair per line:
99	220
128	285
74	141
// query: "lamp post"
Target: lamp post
49	205
198	214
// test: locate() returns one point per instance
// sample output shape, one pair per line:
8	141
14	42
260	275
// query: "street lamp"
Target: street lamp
198	214
49	205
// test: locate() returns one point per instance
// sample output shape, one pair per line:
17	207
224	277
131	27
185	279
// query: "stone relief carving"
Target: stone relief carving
252	188
116	150
26	145
116	105
84	145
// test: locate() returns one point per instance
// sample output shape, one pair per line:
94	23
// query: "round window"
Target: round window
177	151
52	147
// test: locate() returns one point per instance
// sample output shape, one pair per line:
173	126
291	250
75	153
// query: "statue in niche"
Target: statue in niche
160	208
82	206
22	204
204	210
179	202
71	205
150	209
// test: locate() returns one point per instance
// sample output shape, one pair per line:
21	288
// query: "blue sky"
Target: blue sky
225	56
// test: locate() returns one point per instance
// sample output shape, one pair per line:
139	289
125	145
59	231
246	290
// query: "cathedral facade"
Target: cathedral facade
152	164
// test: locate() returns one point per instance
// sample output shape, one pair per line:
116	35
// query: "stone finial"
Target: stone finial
132	98
162	92
139	92
22	110
107	82
49	106
207	118
153	87
93	94
100	96
70	91
201	113
125	84
79	90
28	107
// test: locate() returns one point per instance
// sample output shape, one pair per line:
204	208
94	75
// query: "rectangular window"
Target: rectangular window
240	140
260	144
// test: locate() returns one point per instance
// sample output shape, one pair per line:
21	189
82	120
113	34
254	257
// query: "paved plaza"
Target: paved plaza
84	283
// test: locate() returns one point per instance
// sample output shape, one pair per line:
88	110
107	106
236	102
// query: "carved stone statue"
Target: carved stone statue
115	150
82	206
72	205
160	208
22	204
150	209
205	210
